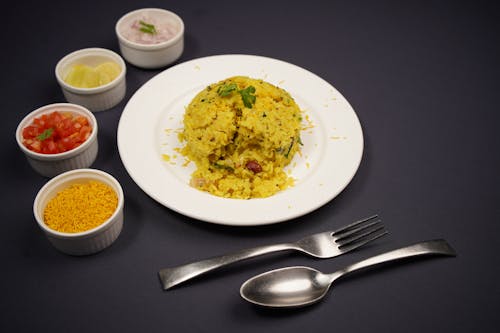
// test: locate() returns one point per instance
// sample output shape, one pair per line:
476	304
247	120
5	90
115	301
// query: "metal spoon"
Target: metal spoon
299	286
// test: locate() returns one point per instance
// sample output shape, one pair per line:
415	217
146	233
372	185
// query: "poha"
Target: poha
241	133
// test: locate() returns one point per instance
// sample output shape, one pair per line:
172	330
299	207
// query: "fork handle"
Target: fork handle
173	276
432	247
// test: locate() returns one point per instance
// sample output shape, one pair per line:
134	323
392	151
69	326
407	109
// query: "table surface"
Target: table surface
422	77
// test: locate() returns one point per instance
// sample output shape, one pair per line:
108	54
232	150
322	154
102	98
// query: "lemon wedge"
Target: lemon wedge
83	76
107	71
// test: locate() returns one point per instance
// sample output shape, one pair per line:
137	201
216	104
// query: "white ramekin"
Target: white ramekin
99	98
90	241
50	165
154	55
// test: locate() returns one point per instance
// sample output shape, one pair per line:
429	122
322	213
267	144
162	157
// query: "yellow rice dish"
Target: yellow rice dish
241	133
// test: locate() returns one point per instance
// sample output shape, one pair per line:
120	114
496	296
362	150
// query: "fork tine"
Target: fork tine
362	241
354	224
351	234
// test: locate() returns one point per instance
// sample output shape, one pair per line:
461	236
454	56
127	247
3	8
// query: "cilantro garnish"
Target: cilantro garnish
223	167
147	28
45	135
290	148
226	89
248	97
247	94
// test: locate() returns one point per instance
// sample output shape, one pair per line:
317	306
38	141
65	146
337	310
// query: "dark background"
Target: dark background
421	75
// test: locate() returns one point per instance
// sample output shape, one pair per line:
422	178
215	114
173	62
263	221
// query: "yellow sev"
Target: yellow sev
80	207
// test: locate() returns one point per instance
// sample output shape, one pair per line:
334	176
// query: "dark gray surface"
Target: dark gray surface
423	79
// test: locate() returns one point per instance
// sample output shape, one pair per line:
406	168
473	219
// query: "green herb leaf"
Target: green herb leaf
46	134
147	28
248	96
226	89
290	148
222	166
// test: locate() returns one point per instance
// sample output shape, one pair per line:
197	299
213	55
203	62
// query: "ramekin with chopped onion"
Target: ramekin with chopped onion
150	37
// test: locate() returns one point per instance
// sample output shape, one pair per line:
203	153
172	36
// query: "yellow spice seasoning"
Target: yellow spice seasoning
80	207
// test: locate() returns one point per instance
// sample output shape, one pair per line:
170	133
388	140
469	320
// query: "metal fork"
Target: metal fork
327	244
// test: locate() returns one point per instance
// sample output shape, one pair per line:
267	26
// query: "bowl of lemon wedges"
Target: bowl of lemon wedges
93	78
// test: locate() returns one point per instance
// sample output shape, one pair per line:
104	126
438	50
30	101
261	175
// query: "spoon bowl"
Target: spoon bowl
299	286
290	286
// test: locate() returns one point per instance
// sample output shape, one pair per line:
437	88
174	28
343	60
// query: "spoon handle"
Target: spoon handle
432	247
175	275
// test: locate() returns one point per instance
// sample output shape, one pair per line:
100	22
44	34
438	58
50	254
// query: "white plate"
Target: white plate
150	122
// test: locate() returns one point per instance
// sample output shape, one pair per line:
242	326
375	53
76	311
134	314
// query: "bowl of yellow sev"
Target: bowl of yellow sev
80	211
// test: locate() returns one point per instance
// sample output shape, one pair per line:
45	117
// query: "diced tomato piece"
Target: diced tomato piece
55	117
68	143
35	146
31	131
85	132
52	147
56	132
81	120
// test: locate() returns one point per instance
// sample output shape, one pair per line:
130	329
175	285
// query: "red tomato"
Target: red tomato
31	131
56	132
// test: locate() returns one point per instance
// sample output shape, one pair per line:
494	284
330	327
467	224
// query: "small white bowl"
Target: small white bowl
99	98
151	55
50	165
90	241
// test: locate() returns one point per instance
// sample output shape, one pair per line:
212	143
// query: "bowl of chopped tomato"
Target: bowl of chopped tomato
58	137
